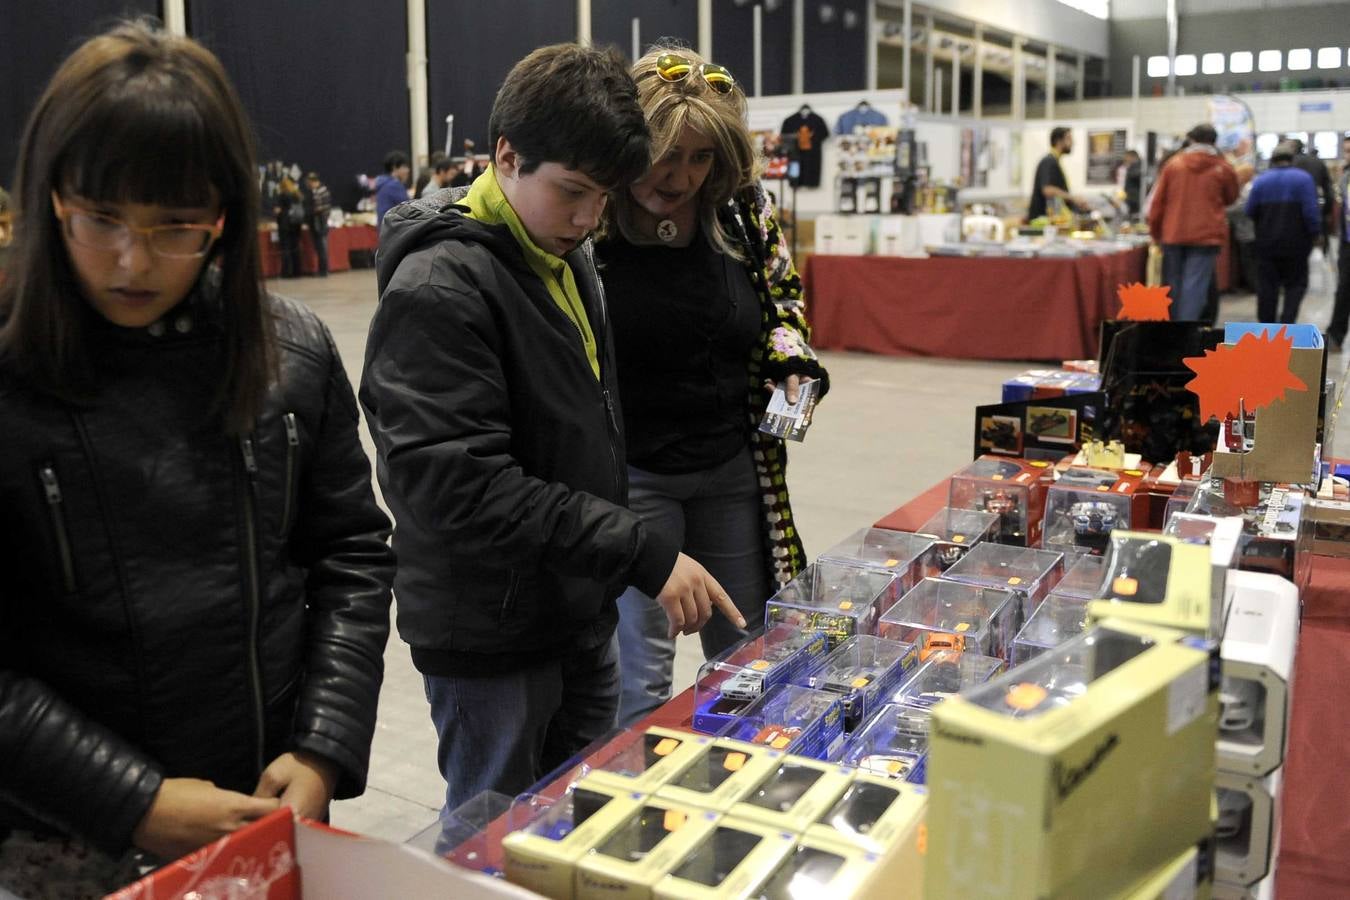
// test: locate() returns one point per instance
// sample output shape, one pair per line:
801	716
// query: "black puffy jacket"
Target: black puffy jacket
175	602
499	453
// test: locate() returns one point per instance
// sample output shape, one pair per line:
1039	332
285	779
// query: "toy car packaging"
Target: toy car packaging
908	556
643	760
836	600
944	674
1085	505
891	745
795	794
1014	489
864	671
1083	578
727	684
792	719
729	864
1078	773
1276	538
947	615
955	531
1040	384
876	813
643	849
1031	574
1056	620
1160	580
723	776
1248	832
547	838
827	867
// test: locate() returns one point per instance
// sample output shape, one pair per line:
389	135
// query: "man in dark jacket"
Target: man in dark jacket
1340	315
1326	194
1283	207
490	390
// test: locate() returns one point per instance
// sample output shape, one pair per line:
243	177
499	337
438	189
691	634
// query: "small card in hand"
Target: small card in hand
790	420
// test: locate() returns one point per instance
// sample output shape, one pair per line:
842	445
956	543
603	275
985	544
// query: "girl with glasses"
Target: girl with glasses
708	319
195	589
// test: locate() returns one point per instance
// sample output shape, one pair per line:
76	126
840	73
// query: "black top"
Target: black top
810	132
686	320
1048	174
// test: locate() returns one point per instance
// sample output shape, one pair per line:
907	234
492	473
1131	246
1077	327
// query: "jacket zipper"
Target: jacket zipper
254	602
51	486
512	588
600	350
292	450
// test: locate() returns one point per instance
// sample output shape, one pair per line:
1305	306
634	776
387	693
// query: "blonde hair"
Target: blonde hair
670	107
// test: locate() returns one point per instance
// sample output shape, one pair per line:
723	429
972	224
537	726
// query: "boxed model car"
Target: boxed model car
643	849
836	600
792	719
944	674
1055	621
1014	489
1158	579
892	744
1248	832
955	531
1029	573
724	775
908	556
864	671
728	683
1085	505
948	615
875	813
729	864
794	794
644	760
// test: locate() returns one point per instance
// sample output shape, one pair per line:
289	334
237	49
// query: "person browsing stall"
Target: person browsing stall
708	318
490	389
196	576
1049	182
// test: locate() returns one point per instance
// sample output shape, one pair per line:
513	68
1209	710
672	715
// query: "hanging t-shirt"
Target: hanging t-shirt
861	116
1048	173
810	133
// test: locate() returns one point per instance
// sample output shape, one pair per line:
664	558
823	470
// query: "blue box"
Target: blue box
729	683
864	671
792	719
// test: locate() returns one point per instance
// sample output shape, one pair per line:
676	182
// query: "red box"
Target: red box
1012	487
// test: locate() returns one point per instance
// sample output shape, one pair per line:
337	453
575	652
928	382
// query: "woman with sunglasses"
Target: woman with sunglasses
708	319
195	593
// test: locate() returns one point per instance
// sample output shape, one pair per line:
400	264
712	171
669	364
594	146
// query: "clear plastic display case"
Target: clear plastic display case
908	556
1083	578
864	671
735	854
945	674
1056	620
643	760
1013	489
727	684
955	531
891	745
948	615
1181	497
1029	573
837	600
792	719
1082	509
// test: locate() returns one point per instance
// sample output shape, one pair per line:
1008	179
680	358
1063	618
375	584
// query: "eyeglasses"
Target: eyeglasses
673	67
99	232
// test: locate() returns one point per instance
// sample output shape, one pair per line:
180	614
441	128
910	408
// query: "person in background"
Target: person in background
1283	207
290	216
1132	183
441	176
489	388
318	204
1188	218
425	175
391	188
1340	314
1326	192
1050	183
705	302
1241	227
469	169
195	599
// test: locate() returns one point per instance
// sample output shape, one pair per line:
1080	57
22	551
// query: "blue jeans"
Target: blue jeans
717	518
505	732
1188	270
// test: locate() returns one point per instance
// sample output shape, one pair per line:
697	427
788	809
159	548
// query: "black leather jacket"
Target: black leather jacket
175	602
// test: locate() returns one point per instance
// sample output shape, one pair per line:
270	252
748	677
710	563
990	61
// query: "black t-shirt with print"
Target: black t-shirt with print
810	133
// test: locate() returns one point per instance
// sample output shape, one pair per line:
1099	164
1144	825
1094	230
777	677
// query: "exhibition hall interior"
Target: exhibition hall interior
399	395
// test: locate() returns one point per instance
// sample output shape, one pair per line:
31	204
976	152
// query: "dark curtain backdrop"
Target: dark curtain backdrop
325	84
835	52
472	46
34	39
612	22
734	44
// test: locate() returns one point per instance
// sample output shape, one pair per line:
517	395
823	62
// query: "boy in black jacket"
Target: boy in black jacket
489	387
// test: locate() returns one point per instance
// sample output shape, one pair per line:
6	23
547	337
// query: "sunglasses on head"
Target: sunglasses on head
673	67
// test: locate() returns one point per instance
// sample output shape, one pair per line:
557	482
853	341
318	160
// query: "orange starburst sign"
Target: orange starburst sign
1141	303
1255	370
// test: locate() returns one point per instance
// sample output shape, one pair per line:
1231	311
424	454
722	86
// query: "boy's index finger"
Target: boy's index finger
723	602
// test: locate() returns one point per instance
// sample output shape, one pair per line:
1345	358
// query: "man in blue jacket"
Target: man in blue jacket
1283	207
391	188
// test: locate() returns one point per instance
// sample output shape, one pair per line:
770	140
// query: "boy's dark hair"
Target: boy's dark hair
1203	134
99	131
394	159
443	164
1057	134
576	106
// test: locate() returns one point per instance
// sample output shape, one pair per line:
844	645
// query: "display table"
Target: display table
341	242
1024	309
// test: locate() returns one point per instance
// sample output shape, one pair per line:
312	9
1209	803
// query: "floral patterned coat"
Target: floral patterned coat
781	351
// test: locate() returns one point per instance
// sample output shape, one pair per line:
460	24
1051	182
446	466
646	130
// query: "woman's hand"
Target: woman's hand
790	387
300	780
189	813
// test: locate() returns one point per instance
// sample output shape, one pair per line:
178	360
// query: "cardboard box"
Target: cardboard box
723	776
642	761
1039	384
824	867
875	813
795	794
1189	876
736	858
546	841
1159	580
643	849
1258	651
1014	489
1077	774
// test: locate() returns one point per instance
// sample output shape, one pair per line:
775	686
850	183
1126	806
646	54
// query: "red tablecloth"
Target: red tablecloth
1046	309
341	241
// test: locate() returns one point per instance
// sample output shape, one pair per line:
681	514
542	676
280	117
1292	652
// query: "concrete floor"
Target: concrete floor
890	429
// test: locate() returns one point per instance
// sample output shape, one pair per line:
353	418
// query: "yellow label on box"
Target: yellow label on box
958	538
1104	488
734	762
665	746
861	681
1125	586
963	626
846	605
781	742
891	563
759	665
1025	696
1040	464
674	820
995	477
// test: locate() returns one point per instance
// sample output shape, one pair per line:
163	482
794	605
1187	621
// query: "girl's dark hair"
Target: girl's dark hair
135	116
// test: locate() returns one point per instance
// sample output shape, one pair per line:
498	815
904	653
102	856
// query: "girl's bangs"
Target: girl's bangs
137	144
